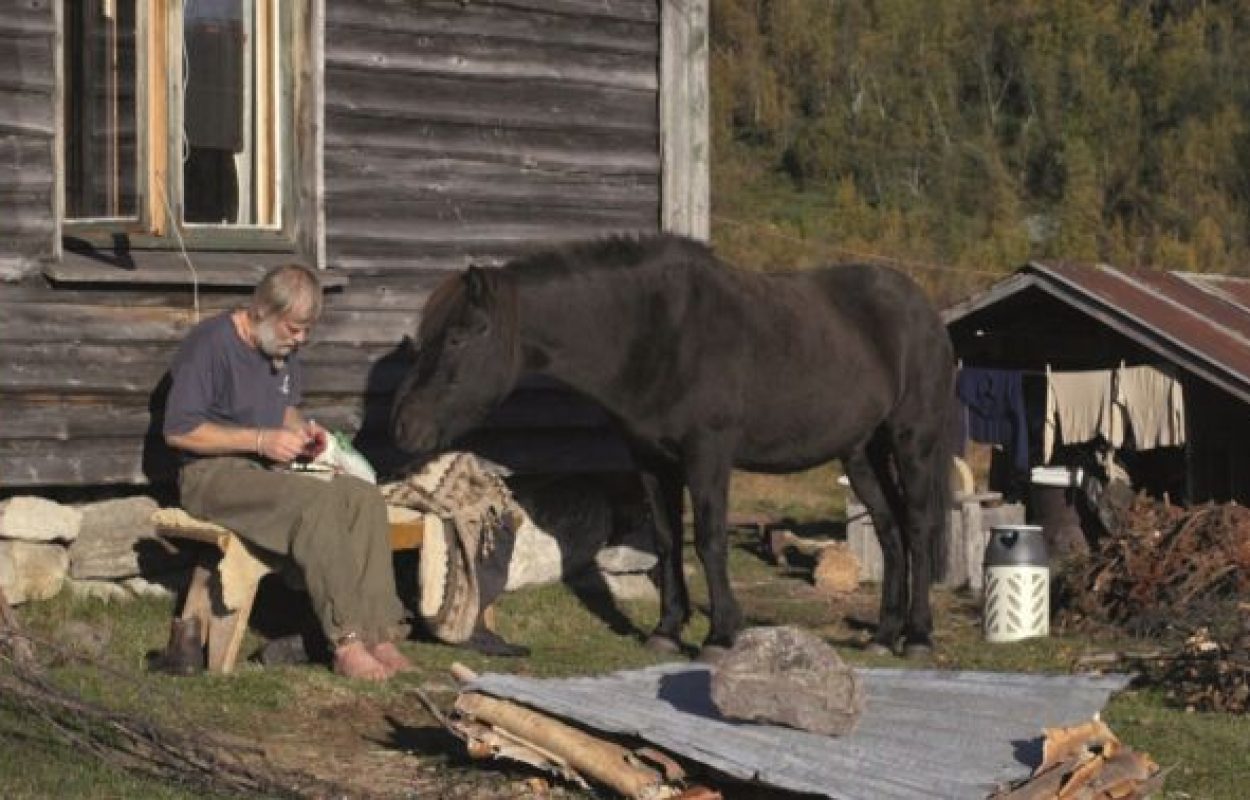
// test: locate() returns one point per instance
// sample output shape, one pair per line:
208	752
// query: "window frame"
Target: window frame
159	32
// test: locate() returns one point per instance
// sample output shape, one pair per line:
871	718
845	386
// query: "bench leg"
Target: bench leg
226	631
198	604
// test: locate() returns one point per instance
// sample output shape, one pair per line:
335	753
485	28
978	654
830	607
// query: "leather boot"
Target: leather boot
184	655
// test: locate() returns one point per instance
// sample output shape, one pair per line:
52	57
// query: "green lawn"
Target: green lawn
568	637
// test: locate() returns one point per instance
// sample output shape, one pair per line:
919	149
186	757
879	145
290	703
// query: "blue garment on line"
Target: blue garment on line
994	404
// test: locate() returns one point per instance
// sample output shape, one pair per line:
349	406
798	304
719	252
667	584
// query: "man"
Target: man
232	414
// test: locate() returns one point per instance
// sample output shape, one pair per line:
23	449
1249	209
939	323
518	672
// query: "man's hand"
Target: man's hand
281	444
314	440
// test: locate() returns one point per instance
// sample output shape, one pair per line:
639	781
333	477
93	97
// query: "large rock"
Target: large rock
117	540
31	570
35	519
786	676
104	591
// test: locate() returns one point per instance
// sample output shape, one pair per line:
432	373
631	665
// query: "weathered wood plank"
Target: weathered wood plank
29	17
30	322
498	102
25	112
406	292
26	211
133	460
684	133
26	61
431	212
65	417
161	270
139	368
26	163
381	239
85	462
359	172
531	22
479	56
602	151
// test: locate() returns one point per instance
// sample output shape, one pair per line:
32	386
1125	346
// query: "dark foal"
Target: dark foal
708	368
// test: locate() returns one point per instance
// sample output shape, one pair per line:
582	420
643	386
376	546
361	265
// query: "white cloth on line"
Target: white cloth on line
1154	404
1083	405
1080	406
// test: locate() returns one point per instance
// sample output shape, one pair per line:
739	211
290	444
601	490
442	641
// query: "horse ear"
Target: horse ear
407	347
476	286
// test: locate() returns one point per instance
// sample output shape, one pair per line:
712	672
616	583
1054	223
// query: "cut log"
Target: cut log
562	744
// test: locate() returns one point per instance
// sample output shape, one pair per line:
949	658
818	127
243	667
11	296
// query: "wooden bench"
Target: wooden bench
220	596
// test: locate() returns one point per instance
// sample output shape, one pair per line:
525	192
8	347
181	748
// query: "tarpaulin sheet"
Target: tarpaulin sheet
923	733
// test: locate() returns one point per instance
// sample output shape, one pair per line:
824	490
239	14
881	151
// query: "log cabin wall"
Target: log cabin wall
454	134
27	137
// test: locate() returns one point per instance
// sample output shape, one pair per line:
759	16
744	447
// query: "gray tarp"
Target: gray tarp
923	734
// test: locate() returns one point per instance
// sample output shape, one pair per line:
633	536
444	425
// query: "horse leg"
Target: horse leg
868	471
663	487
925	481
707	477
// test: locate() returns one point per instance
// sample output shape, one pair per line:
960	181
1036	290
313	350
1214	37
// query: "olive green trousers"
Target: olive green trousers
335	531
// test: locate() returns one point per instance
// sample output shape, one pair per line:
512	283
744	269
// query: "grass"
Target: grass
568	637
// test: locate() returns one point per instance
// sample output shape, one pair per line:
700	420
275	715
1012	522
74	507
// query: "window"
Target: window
177	120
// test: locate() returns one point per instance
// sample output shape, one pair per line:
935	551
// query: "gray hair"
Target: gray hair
285	289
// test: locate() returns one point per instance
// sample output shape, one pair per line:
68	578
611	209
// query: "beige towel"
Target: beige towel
1079	407
1154	404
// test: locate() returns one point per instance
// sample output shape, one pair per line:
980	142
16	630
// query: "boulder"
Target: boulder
786	676
622	558
631	586
117	540
104	591
35	519
31	570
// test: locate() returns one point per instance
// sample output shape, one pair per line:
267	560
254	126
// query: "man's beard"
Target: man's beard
268	342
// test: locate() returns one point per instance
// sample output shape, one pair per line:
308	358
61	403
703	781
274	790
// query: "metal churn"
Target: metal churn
1017	584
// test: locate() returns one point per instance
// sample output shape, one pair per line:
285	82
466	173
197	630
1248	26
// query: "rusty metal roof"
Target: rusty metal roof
1198	321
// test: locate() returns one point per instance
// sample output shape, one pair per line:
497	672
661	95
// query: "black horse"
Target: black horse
708	368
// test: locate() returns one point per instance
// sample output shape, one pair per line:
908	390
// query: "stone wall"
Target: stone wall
107	549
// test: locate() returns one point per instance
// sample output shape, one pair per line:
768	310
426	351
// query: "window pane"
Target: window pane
229	114
101	151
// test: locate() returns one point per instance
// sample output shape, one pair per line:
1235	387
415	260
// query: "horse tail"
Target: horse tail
943	464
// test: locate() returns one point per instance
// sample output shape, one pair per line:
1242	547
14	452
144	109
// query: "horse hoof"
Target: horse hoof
662	644
877	649
917	651
712	654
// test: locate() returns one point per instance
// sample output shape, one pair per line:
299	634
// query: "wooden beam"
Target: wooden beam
684	142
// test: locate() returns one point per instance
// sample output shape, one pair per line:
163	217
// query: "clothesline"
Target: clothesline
1080	406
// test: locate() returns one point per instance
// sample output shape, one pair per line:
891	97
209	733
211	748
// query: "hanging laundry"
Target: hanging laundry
1154	404
1080	406
994	403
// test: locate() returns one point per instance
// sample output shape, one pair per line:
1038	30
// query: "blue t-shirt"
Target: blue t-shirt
219	378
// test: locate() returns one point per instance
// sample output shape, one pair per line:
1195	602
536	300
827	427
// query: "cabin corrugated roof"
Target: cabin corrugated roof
1198	321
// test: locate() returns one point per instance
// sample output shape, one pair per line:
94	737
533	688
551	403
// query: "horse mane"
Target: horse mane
608	254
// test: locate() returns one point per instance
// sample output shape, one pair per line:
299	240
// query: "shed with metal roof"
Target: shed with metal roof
1065	316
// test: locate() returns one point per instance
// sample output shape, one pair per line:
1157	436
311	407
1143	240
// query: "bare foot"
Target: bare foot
353	660
388	655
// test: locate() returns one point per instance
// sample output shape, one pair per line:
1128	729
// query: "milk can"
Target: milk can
1017	584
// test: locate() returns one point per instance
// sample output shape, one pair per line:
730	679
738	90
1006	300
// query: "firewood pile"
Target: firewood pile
1088	762
1162	566
1181	577
1207	675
